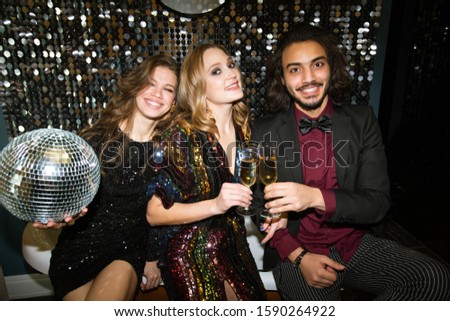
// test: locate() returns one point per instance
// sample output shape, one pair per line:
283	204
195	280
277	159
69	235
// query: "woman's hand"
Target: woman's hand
151	278
271	225
68	221
231	194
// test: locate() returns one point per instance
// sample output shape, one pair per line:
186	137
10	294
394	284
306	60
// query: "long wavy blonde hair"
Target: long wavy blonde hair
191	98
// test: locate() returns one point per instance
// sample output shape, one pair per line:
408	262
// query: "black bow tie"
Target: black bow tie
323	123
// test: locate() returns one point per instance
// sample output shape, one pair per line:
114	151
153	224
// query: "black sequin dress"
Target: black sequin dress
198	258
115	227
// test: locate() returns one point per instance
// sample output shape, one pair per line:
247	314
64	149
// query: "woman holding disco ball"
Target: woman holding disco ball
104	253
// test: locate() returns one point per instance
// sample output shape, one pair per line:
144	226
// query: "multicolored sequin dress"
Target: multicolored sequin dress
198	258
115	226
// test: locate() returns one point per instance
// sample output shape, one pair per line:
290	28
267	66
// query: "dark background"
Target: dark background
414	114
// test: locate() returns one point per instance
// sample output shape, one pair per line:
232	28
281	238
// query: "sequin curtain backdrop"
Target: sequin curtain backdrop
60	60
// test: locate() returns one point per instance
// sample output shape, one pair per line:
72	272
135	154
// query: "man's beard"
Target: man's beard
311	106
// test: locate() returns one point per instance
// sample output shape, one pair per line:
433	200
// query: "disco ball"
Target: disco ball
47	174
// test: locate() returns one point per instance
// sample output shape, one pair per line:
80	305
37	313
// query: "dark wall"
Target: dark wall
414	108
10	229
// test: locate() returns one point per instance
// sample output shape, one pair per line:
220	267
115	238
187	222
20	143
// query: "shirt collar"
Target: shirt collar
326	111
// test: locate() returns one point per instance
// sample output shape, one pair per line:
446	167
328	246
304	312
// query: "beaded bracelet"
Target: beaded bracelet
299	258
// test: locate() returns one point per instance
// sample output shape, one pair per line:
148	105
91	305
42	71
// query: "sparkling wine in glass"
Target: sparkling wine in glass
248	155
268	172
248	169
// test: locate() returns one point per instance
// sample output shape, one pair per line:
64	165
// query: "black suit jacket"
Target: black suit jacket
361	168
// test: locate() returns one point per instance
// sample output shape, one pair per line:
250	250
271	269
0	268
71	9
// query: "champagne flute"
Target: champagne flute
268	172
248	158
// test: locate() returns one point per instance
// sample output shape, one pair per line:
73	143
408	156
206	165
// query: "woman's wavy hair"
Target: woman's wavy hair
277	96
122	107
191	99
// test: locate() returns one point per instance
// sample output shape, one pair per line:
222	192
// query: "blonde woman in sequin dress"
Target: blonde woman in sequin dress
206	255
104	254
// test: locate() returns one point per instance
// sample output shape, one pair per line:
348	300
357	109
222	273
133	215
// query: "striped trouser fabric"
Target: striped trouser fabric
381	267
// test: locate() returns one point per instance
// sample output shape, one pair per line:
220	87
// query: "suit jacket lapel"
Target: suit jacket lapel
288	136
341	136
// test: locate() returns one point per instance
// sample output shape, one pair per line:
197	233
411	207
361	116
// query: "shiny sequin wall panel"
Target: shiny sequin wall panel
59	60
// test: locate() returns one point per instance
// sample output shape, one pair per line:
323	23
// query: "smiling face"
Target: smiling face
306	75
155	100
223	78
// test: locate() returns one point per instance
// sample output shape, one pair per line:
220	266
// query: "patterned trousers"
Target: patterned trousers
381	267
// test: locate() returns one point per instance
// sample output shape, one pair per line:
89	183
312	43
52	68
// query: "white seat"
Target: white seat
37	245
254	238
